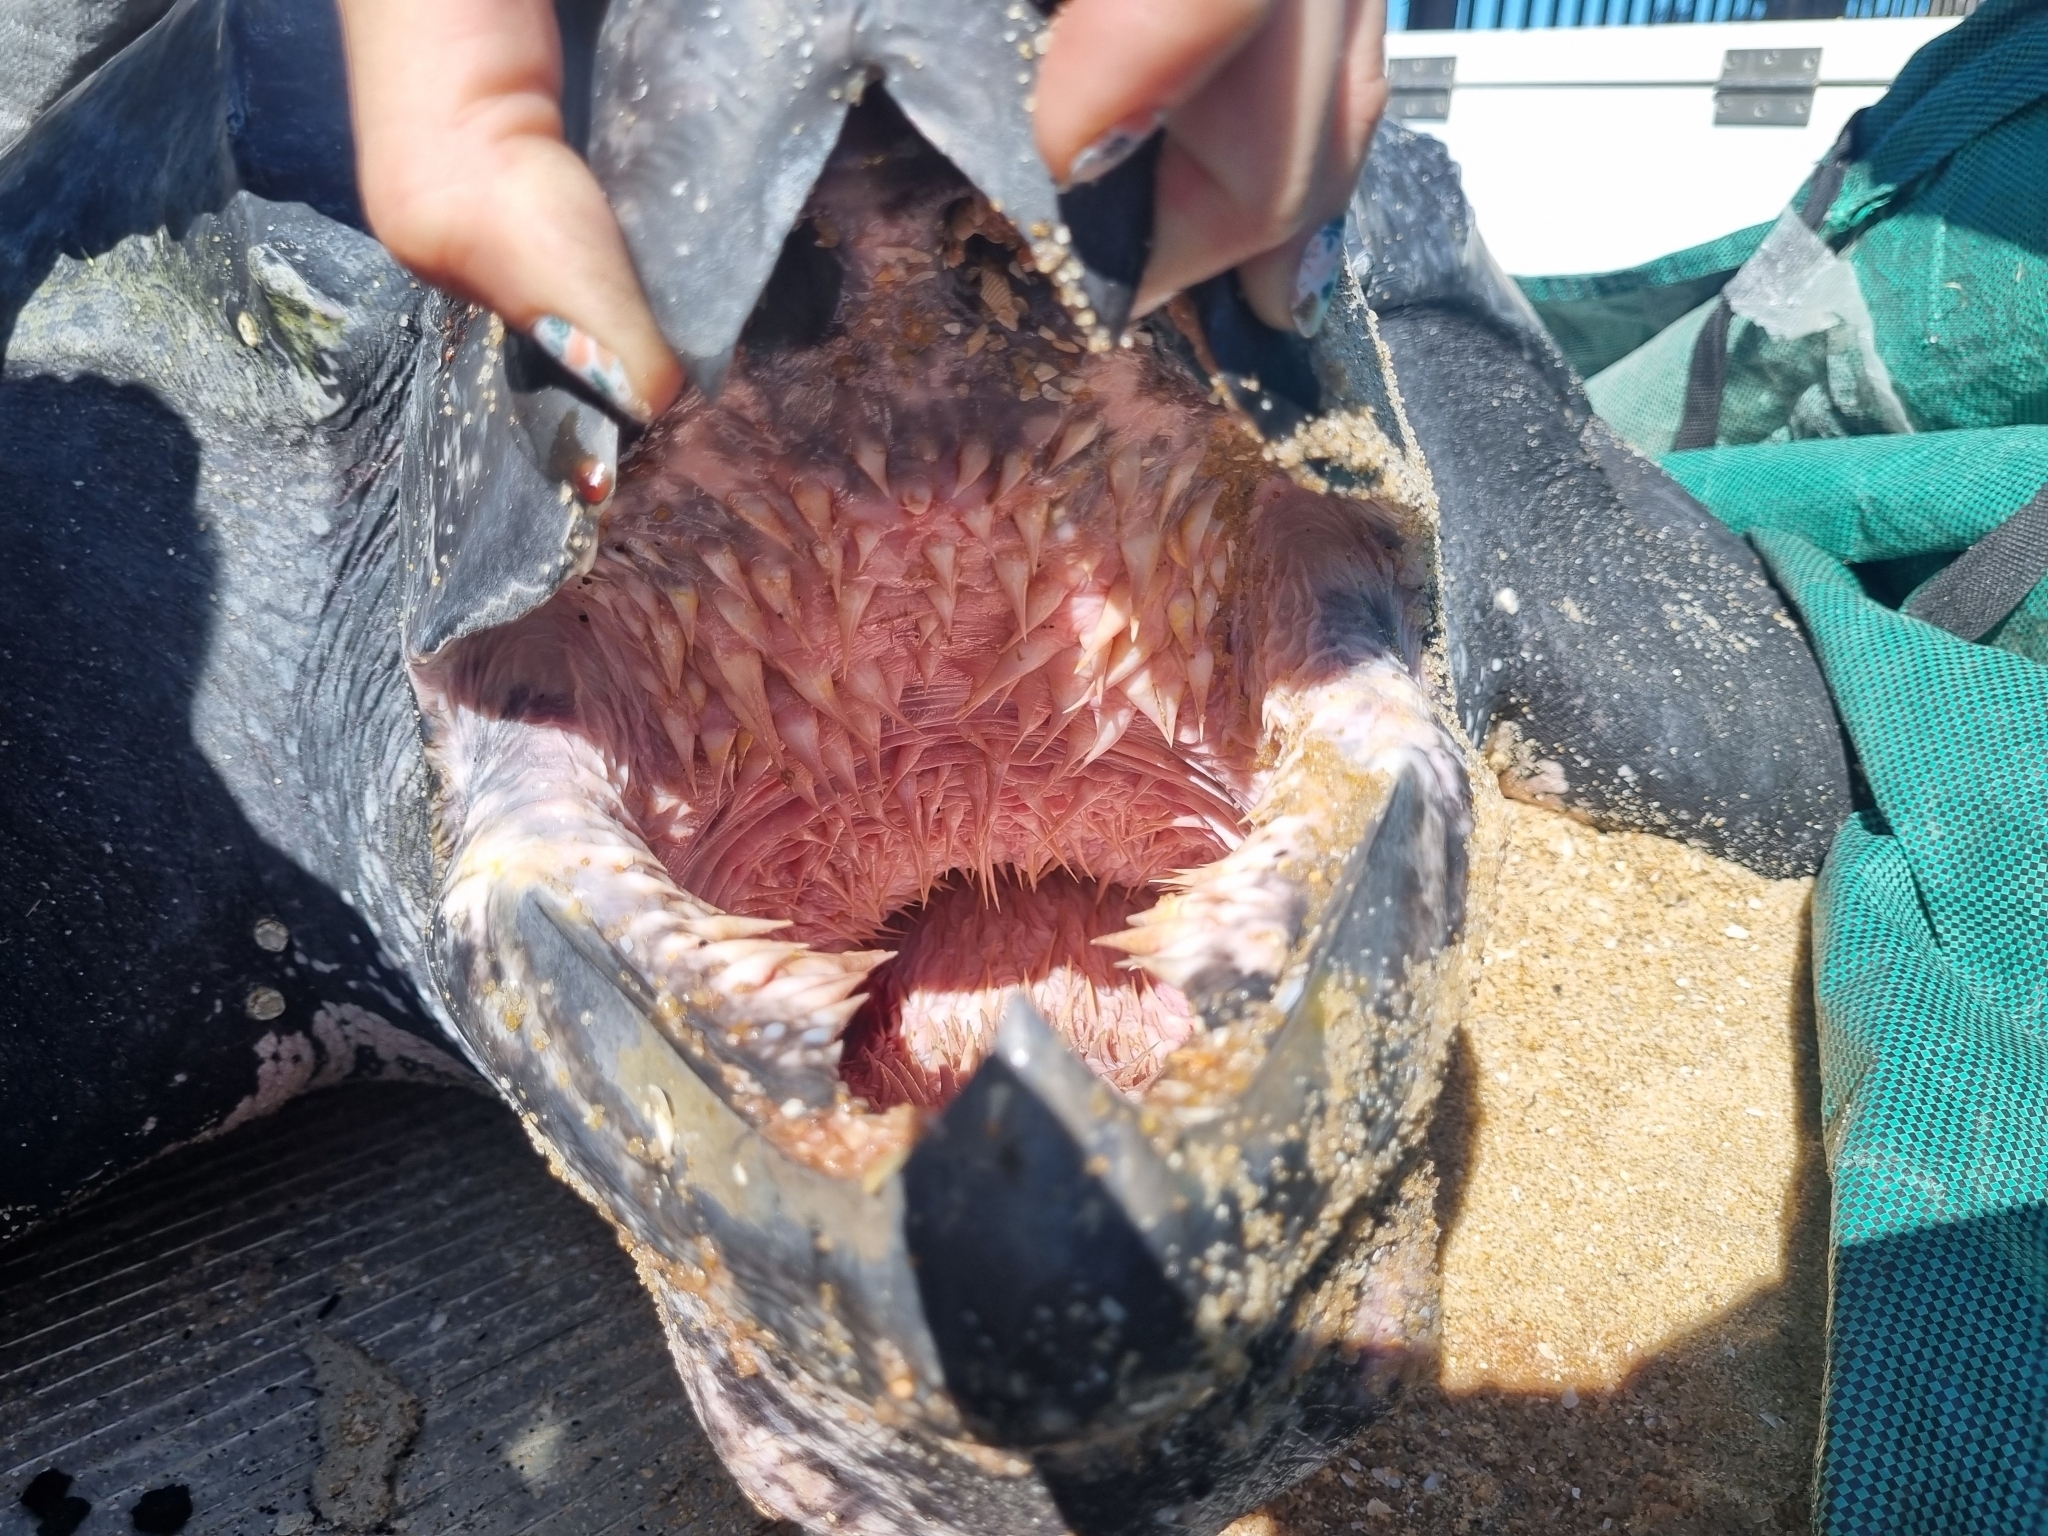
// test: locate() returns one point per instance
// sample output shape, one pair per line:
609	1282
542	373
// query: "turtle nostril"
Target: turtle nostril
798	307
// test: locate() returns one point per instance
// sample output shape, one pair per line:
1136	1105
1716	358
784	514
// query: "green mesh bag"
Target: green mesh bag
1931	975
1918	302
1600	317
1881	362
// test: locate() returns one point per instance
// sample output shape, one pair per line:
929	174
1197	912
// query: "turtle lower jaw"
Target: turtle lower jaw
828	1054
1220	1441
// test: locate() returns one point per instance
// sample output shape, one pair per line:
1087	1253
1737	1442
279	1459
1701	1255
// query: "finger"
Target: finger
1292	284
1115	65
1362	86
1239	167
466	179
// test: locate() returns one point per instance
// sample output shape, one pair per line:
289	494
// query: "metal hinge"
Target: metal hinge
1421	89
1767	87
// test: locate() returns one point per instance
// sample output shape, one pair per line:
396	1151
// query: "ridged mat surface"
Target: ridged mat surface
157	1334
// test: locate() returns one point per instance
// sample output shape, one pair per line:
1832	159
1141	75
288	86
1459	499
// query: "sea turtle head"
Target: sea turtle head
947	843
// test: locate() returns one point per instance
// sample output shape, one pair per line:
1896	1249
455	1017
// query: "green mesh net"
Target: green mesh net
1885	374
1921	303
1930	933
1601	317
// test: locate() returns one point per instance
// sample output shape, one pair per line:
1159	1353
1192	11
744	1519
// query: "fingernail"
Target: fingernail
1315	280
599	367
593	479
1112	149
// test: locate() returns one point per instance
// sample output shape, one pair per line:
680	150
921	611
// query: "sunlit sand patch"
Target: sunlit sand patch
1634	1067
1634	1207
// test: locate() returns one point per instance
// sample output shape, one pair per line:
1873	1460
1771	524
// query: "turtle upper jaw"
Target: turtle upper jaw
714	119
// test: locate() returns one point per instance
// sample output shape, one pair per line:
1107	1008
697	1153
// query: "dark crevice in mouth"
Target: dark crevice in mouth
800	305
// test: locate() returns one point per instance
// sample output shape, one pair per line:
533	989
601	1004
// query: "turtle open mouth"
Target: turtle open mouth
944	659
921	665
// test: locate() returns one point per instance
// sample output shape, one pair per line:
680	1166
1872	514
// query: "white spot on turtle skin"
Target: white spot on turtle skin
661	1120
1507	600
148	1125
272	935
291	1064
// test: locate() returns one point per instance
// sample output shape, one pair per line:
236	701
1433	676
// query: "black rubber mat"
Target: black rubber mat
159	1335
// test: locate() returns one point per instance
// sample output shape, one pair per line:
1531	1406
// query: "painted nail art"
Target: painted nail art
579	352
1113	149
1315	280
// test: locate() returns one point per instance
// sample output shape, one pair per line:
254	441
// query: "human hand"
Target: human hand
1268	107
465	178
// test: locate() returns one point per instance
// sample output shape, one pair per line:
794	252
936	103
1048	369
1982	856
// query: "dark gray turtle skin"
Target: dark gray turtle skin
1620	653
215	832
764	832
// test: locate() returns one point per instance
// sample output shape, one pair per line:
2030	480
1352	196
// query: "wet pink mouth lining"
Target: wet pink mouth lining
885	696
958	956
886	743
972	712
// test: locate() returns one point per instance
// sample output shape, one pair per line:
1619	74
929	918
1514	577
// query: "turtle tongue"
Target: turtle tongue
714	117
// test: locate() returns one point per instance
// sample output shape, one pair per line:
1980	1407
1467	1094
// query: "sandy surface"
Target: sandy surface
1634	1207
